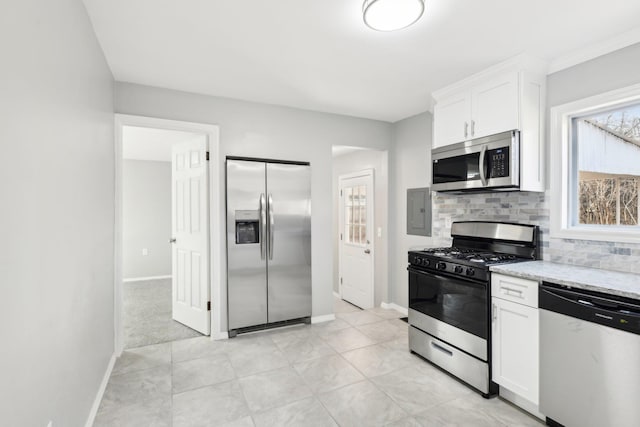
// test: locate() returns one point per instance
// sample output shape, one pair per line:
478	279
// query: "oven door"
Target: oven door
450	308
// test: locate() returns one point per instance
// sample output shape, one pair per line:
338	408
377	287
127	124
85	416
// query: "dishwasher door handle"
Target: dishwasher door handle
605	310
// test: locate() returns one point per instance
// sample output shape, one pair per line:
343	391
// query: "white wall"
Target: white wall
259	130
410	167
146	218
355	162
57	216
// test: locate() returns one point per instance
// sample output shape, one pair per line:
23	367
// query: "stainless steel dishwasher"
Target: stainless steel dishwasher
589	358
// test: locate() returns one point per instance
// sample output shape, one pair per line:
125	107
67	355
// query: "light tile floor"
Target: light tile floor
354	371
147	314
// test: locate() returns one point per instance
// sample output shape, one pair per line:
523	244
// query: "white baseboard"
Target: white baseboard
336	294
142	279
323	318
103	386
394	306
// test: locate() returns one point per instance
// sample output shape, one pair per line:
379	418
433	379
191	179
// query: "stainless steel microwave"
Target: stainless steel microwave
491	163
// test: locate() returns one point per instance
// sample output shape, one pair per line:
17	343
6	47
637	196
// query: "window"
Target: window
595	167
355	206
606	146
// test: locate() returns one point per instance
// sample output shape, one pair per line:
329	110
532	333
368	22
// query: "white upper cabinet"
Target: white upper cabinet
495	106
487	109
453	119
508	96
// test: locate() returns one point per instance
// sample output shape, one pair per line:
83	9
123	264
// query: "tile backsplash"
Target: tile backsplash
530	208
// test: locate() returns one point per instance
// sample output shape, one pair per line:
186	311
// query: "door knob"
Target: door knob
172	240
367	251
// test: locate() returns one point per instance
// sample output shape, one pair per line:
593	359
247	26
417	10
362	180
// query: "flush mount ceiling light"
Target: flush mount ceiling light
390	15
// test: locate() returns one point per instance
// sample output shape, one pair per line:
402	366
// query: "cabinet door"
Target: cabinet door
452	119
515	348
495	106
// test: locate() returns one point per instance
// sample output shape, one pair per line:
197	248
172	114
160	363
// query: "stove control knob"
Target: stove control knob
457	269
425	262
441	266
470	271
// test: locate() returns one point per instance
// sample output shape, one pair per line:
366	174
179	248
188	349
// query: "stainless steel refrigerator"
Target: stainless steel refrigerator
268	242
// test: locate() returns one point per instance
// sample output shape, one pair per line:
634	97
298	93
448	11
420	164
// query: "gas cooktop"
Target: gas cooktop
477	246
471	255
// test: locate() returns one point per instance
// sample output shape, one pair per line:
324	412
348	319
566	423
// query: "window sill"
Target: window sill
598	234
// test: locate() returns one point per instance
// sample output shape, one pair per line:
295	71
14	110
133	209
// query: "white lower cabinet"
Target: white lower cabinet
515	347
515	351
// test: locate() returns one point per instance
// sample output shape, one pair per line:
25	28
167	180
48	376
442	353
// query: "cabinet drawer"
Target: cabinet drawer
514	289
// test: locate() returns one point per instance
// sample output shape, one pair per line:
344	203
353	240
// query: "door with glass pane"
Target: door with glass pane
356	238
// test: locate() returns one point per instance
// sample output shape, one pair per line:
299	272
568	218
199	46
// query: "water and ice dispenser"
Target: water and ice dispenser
247	227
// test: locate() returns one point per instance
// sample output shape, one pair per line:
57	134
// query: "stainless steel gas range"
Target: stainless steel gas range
450	296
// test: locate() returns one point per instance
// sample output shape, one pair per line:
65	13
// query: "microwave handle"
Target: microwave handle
483	177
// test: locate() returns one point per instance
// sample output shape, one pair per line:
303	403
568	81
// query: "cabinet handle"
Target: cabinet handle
473	127
494	312
466	129
512	292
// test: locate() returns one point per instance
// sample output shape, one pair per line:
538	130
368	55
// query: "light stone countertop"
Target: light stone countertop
593	279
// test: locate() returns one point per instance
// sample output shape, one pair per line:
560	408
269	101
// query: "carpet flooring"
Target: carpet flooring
147	314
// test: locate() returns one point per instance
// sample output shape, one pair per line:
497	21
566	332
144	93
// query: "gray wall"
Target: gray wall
355	162
259	130
410	167
608	72
56	268
146	218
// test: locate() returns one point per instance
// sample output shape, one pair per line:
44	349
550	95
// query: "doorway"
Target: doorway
165	220
357	249
360	199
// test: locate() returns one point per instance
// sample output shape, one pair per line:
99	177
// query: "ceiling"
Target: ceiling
319	55
139	143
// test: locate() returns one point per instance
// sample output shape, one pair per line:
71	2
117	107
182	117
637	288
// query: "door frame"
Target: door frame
215	218
360	174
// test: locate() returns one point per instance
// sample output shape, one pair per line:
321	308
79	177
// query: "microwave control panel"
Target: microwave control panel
498	162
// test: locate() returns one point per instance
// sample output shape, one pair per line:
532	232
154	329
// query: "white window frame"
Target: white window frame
561	168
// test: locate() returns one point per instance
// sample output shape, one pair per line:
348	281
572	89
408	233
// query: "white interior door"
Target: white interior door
356	239
190	231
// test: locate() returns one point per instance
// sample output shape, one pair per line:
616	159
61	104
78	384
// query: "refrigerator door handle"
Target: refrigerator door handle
263	226
270	204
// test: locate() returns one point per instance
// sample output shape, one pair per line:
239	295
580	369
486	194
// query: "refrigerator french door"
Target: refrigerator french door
268	242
